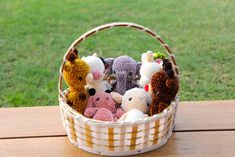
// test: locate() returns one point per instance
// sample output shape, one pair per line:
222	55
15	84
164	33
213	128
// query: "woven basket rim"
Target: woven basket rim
77	115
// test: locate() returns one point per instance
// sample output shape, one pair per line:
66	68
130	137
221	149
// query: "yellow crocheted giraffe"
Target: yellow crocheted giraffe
76	72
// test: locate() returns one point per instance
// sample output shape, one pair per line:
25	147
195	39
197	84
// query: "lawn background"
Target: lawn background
34	36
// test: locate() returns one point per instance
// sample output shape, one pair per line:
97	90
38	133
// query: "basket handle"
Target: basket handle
111	25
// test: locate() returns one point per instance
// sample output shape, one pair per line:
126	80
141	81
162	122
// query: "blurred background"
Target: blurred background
34	35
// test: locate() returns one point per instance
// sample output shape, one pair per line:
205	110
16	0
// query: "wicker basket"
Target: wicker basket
114	138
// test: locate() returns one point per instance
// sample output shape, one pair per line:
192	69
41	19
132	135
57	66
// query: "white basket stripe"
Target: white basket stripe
146	135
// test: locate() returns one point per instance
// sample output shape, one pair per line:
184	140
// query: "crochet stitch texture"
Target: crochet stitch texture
165	86
75	72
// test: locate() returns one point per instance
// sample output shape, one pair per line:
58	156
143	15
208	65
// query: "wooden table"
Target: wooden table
205	128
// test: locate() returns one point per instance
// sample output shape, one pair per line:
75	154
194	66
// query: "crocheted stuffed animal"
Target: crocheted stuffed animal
102	107
147	69
165	86
76	72
135	102
125	70
97	83
108	72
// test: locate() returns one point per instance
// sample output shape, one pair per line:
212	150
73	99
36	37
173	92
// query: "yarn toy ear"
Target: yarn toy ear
70	59
75	51
72	56
121	81
149	56
117	97
138	69
108	63
138	65
66	67
143	57
94	54
166	64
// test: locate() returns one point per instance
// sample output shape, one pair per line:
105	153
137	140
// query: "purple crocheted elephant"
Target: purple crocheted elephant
126	72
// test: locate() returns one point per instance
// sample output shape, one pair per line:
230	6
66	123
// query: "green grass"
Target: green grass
34	36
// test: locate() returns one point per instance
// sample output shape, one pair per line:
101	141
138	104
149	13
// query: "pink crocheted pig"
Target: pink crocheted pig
102	107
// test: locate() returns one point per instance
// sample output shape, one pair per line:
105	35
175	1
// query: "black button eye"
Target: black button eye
148	104
130	73
130	99
80	78
97	99
114	72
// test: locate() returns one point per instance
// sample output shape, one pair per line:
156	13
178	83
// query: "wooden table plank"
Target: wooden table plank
46	121
182	144
30	121
206	115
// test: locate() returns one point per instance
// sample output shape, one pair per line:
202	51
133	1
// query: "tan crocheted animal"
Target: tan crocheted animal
76	73
135	102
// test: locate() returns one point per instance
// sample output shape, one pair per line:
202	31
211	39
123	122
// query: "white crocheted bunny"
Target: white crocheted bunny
148	68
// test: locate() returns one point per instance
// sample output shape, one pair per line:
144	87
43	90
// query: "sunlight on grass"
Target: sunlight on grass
34	36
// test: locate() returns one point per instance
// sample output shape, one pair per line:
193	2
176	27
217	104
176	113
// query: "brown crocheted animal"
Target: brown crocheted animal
165	86
76	73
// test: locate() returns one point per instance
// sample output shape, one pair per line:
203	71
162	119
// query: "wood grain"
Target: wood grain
206	115
30	121
46	121
182	144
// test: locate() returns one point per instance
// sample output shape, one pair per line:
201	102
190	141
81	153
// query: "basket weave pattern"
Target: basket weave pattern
113	138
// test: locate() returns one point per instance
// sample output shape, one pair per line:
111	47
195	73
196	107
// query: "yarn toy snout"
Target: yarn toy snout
159	61
104	100
142	106
96	75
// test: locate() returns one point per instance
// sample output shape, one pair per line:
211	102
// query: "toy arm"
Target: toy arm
119	112
90	112
117	97
123	117
90	109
